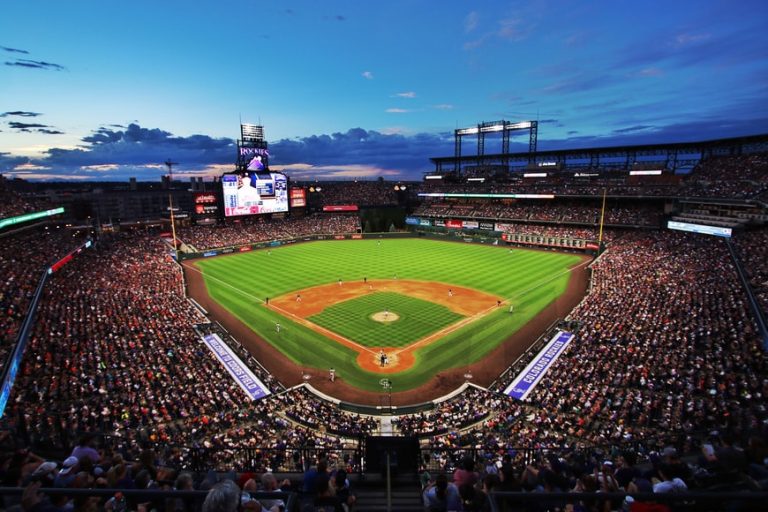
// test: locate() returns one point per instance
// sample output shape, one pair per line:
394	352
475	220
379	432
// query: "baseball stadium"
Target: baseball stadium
520	315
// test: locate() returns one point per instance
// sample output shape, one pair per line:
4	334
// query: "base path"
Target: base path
484	371
311	301
467	302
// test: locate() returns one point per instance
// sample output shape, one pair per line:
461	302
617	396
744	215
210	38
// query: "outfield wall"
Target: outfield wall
421	231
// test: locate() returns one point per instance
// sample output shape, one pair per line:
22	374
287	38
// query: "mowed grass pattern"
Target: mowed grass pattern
530	279
417	318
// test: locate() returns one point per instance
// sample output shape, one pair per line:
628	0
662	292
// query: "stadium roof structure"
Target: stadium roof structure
673	156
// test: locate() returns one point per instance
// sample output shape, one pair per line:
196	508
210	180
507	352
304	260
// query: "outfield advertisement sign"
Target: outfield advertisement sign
455	224
488	226
425	222
412	221
524	383
470	224
244	377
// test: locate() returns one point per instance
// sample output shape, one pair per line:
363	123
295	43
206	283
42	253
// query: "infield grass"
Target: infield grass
529	279
417	318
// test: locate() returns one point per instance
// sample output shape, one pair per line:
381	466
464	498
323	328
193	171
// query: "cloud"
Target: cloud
579	83
99	168
9	162
367	75
636	128
408	154
116	154
650	71
111	154
443	106
686	39
476	43
308	172
14	50
471	22
339	17
28	166
694	48
16	125
397	110
49	176
513	29
553	122
408	94
31	127
20	113
36	64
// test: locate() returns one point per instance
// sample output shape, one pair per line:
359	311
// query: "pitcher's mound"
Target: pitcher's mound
385	317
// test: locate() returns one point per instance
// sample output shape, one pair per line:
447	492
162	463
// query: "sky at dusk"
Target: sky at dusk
98	90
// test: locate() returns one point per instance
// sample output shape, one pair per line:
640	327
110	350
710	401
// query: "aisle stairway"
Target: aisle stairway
372	495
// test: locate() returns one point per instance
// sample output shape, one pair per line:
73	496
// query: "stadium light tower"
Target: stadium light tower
170	165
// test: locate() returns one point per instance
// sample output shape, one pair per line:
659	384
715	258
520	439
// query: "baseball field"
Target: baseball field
428	305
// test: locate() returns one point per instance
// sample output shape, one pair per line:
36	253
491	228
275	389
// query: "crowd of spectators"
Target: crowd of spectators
666	345
459	412
737	177
90	466
560	186
577	213
23	259
254	230
13	204
304	408
359	193
114	350
752	248
666	350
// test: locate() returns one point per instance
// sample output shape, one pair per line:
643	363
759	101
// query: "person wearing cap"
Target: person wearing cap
67	473
44	473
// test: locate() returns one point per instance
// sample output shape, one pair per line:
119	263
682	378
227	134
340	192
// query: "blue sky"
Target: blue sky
95	90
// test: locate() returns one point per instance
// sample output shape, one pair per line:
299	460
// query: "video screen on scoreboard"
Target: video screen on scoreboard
250	193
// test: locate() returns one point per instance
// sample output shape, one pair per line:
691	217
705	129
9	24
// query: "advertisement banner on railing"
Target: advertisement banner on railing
488	226
412	221
341	208
439	223
425	222
470	224
243	376
453	224
524	383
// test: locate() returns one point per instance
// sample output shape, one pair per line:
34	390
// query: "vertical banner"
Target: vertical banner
524	383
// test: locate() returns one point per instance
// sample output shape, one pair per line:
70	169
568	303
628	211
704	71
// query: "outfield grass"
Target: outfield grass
530	279
417	318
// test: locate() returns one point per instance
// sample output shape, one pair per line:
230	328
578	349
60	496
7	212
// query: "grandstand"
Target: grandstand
665	381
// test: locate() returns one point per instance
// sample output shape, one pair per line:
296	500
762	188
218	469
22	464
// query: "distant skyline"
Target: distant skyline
347	89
